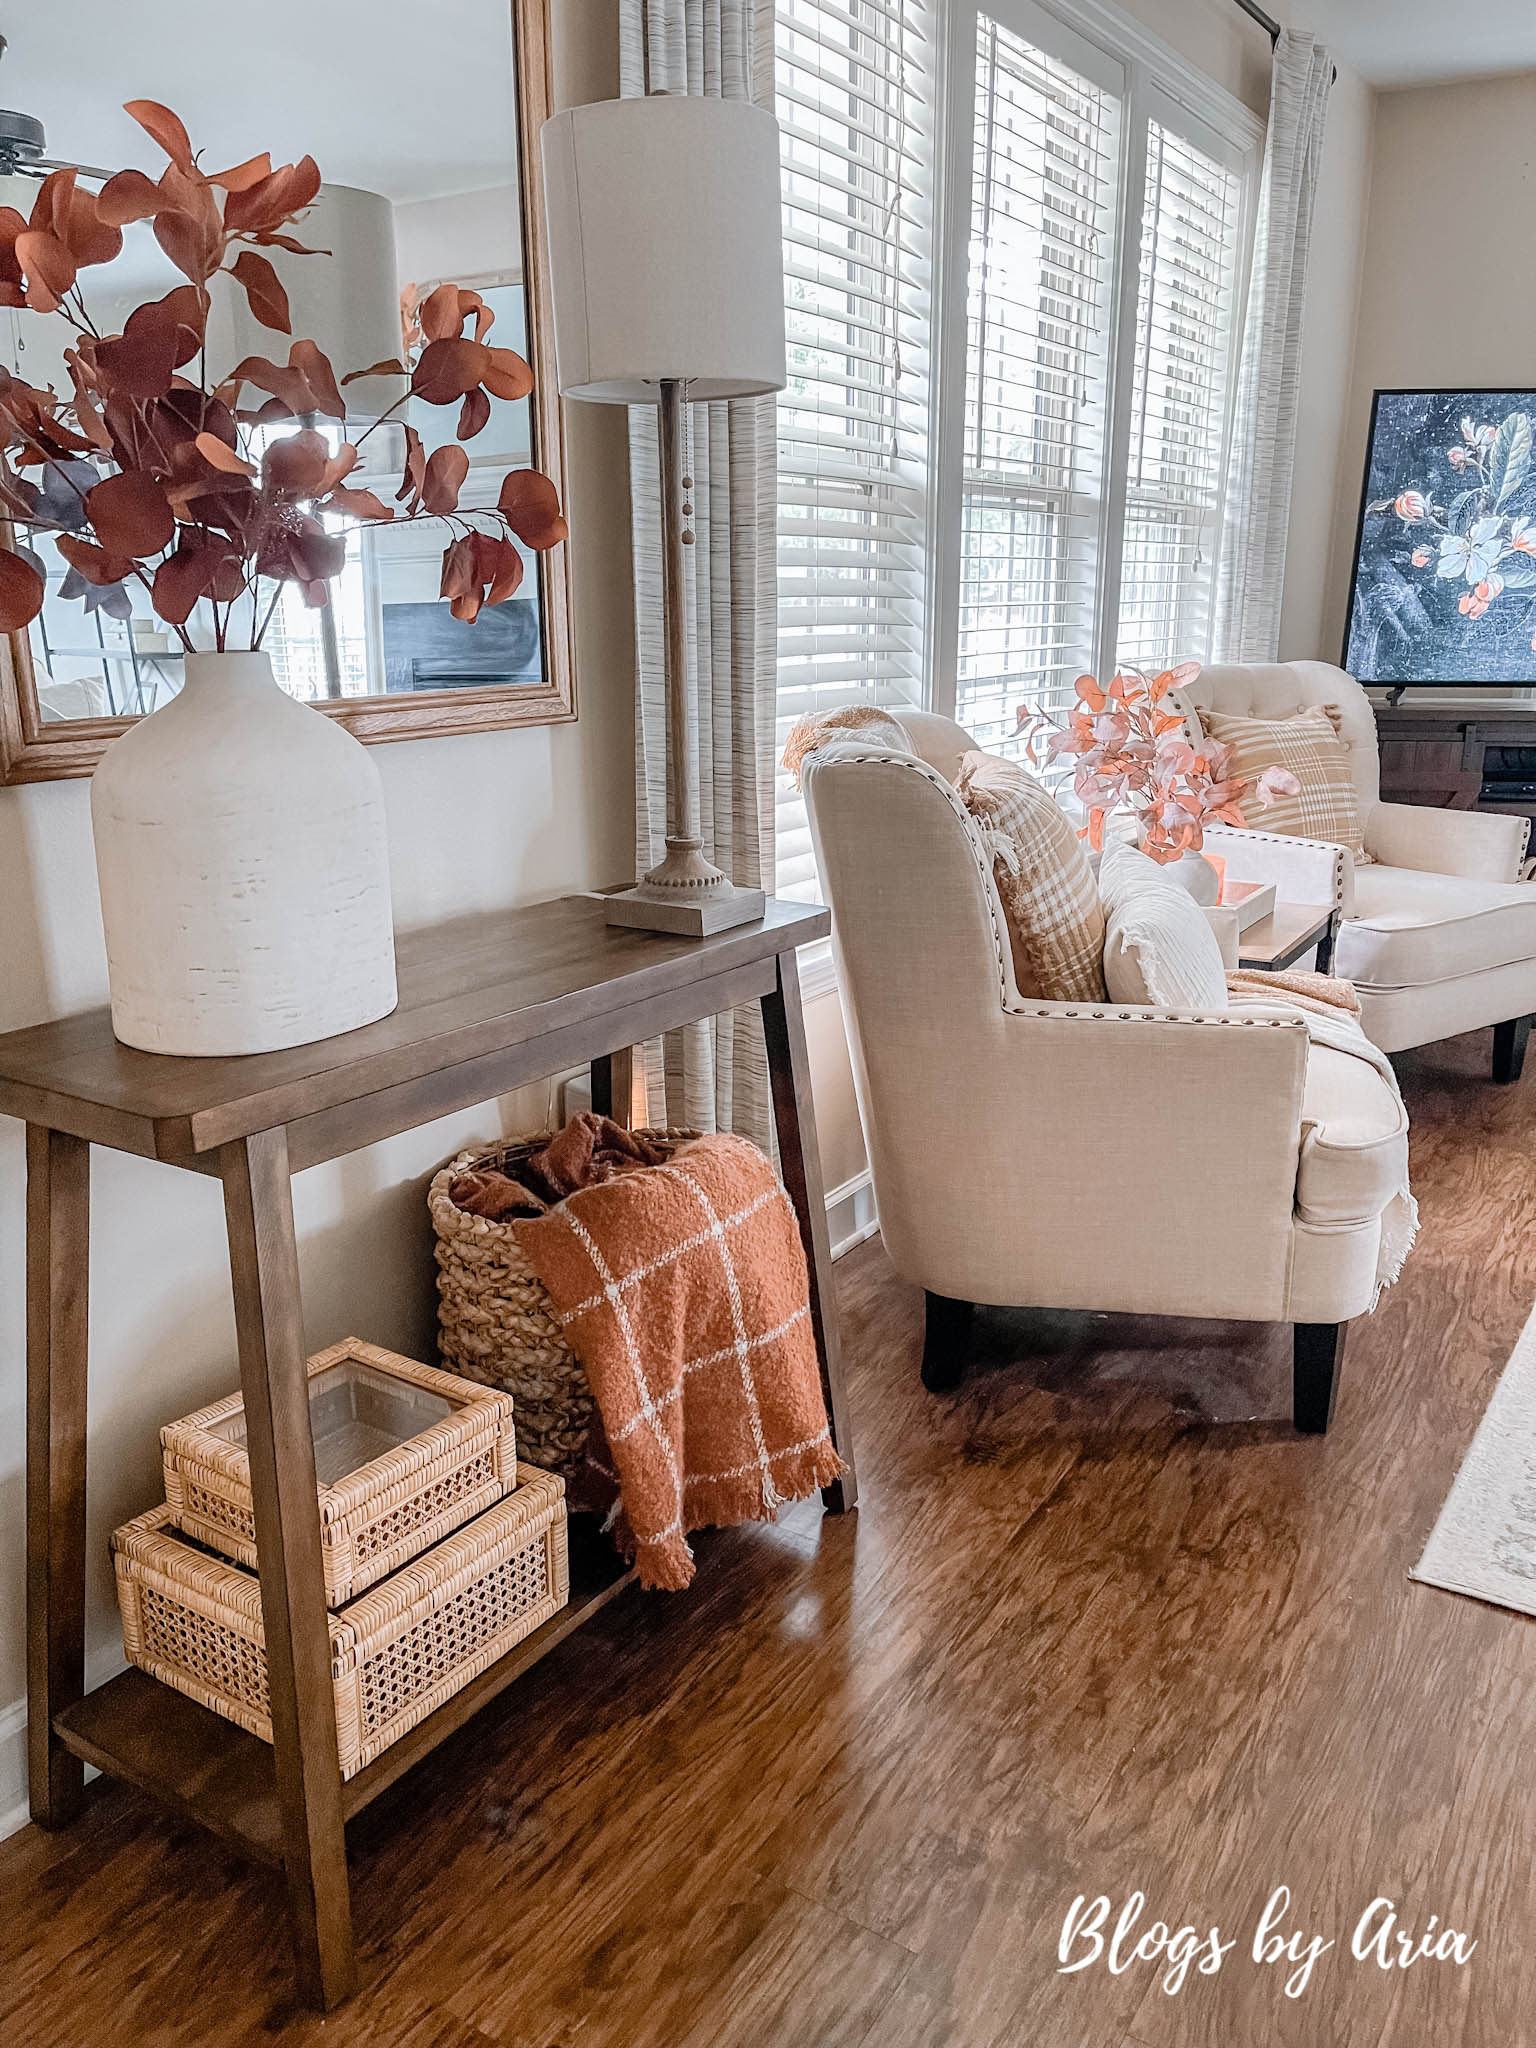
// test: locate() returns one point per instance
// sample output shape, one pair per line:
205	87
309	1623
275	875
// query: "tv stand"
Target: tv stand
1476	753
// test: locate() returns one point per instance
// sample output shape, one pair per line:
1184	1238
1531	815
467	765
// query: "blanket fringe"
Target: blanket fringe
1397	1240
667	1565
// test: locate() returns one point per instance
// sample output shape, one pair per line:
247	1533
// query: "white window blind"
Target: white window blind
1184	362
855	109
1104	230
1040	296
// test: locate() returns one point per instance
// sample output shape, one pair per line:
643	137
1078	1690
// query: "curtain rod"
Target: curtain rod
1270	26
1267	22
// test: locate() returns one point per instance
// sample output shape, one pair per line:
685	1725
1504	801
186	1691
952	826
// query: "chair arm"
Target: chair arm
1121	1158
1302	870
1480	846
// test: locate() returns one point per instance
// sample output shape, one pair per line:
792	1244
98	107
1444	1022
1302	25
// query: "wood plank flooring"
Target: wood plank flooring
1101	1624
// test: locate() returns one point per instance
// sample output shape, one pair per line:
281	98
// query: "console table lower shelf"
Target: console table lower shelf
207	1770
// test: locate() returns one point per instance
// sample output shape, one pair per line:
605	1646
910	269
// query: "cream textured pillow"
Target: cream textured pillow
1159	947
1310	746
1050	901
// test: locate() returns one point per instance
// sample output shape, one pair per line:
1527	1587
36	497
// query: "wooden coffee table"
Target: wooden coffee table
1289	932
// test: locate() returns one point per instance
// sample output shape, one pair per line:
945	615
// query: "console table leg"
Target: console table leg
800	1163
58	1255
258	1202
613	1085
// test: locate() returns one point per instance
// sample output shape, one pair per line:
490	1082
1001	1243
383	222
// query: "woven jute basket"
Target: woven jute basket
495	1321
398	1651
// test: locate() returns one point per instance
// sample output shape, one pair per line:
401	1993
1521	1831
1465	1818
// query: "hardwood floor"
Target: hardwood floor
1102	1623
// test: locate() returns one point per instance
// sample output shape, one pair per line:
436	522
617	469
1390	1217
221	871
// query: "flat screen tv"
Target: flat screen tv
1444	587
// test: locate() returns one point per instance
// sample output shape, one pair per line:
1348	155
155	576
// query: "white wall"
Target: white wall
465	236
474	823
1448	294
1217	38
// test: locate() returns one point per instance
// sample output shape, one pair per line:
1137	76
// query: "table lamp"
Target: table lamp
667	284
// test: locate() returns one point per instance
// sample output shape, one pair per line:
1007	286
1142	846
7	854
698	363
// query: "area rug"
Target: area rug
1485	1540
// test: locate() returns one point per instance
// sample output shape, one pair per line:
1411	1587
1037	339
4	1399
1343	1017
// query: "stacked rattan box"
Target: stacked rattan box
440	1551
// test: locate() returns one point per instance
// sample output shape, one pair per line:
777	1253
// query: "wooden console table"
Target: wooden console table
486	1004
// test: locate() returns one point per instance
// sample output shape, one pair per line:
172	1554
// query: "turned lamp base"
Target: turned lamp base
686	894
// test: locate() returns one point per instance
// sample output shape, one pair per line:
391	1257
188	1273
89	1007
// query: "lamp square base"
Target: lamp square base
645	913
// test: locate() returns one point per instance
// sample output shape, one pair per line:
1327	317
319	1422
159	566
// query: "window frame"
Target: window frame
1155	84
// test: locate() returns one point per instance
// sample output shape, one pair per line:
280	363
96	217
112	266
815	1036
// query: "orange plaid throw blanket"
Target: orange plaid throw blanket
682	1289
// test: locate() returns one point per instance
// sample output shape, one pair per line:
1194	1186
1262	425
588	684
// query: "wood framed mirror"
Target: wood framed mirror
433	117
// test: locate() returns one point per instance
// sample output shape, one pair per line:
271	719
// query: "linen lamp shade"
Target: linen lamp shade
666	249
348	301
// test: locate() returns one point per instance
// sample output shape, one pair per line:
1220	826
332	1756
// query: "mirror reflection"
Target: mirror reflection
416	135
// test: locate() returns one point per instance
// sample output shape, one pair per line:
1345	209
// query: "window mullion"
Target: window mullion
956	97
1122	369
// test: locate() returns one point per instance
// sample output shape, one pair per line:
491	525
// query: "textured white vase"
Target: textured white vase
244	870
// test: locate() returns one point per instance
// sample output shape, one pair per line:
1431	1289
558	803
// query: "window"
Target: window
855	104
1104	224
1185	359
1040	288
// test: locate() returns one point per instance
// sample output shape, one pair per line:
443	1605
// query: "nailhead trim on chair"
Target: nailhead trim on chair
1160	1017
1013	1006
1298	839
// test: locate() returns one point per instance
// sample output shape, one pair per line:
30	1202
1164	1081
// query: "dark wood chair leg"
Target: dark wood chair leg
1509	1042
946	1334
58	1250
789	1071
258	1203
1317	1352
613	1085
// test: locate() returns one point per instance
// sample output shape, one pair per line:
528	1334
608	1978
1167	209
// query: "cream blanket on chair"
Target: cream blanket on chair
1330	1010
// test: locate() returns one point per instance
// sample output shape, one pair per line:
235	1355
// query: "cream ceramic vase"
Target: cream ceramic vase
1198	877
244	870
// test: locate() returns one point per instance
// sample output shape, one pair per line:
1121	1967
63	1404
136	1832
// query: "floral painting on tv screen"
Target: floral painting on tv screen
1445	566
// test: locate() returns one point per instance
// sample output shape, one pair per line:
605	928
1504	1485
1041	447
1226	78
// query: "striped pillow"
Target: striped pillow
1159	947
1050	899
1309	745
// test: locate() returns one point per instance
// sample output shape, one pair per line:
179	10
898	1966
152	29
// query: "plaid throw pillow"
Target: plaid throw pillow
1309	745
1050	899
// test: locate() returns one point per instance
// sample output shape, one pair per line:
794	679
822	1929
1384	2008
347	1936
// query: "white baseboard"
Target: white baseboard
13	1768
851	1215
14	1804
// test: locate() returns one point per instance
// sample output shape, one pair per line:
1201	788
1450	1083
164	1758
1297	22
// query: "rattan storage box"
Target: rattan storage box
404	1453
397	1653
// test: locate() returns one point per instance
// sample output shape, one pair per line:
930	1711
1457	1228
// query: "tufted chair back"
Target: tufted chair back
1278	689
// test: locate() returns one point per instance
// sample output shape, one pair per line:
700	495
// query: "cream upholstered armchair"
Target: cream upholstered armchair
1437	931
1060	1155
